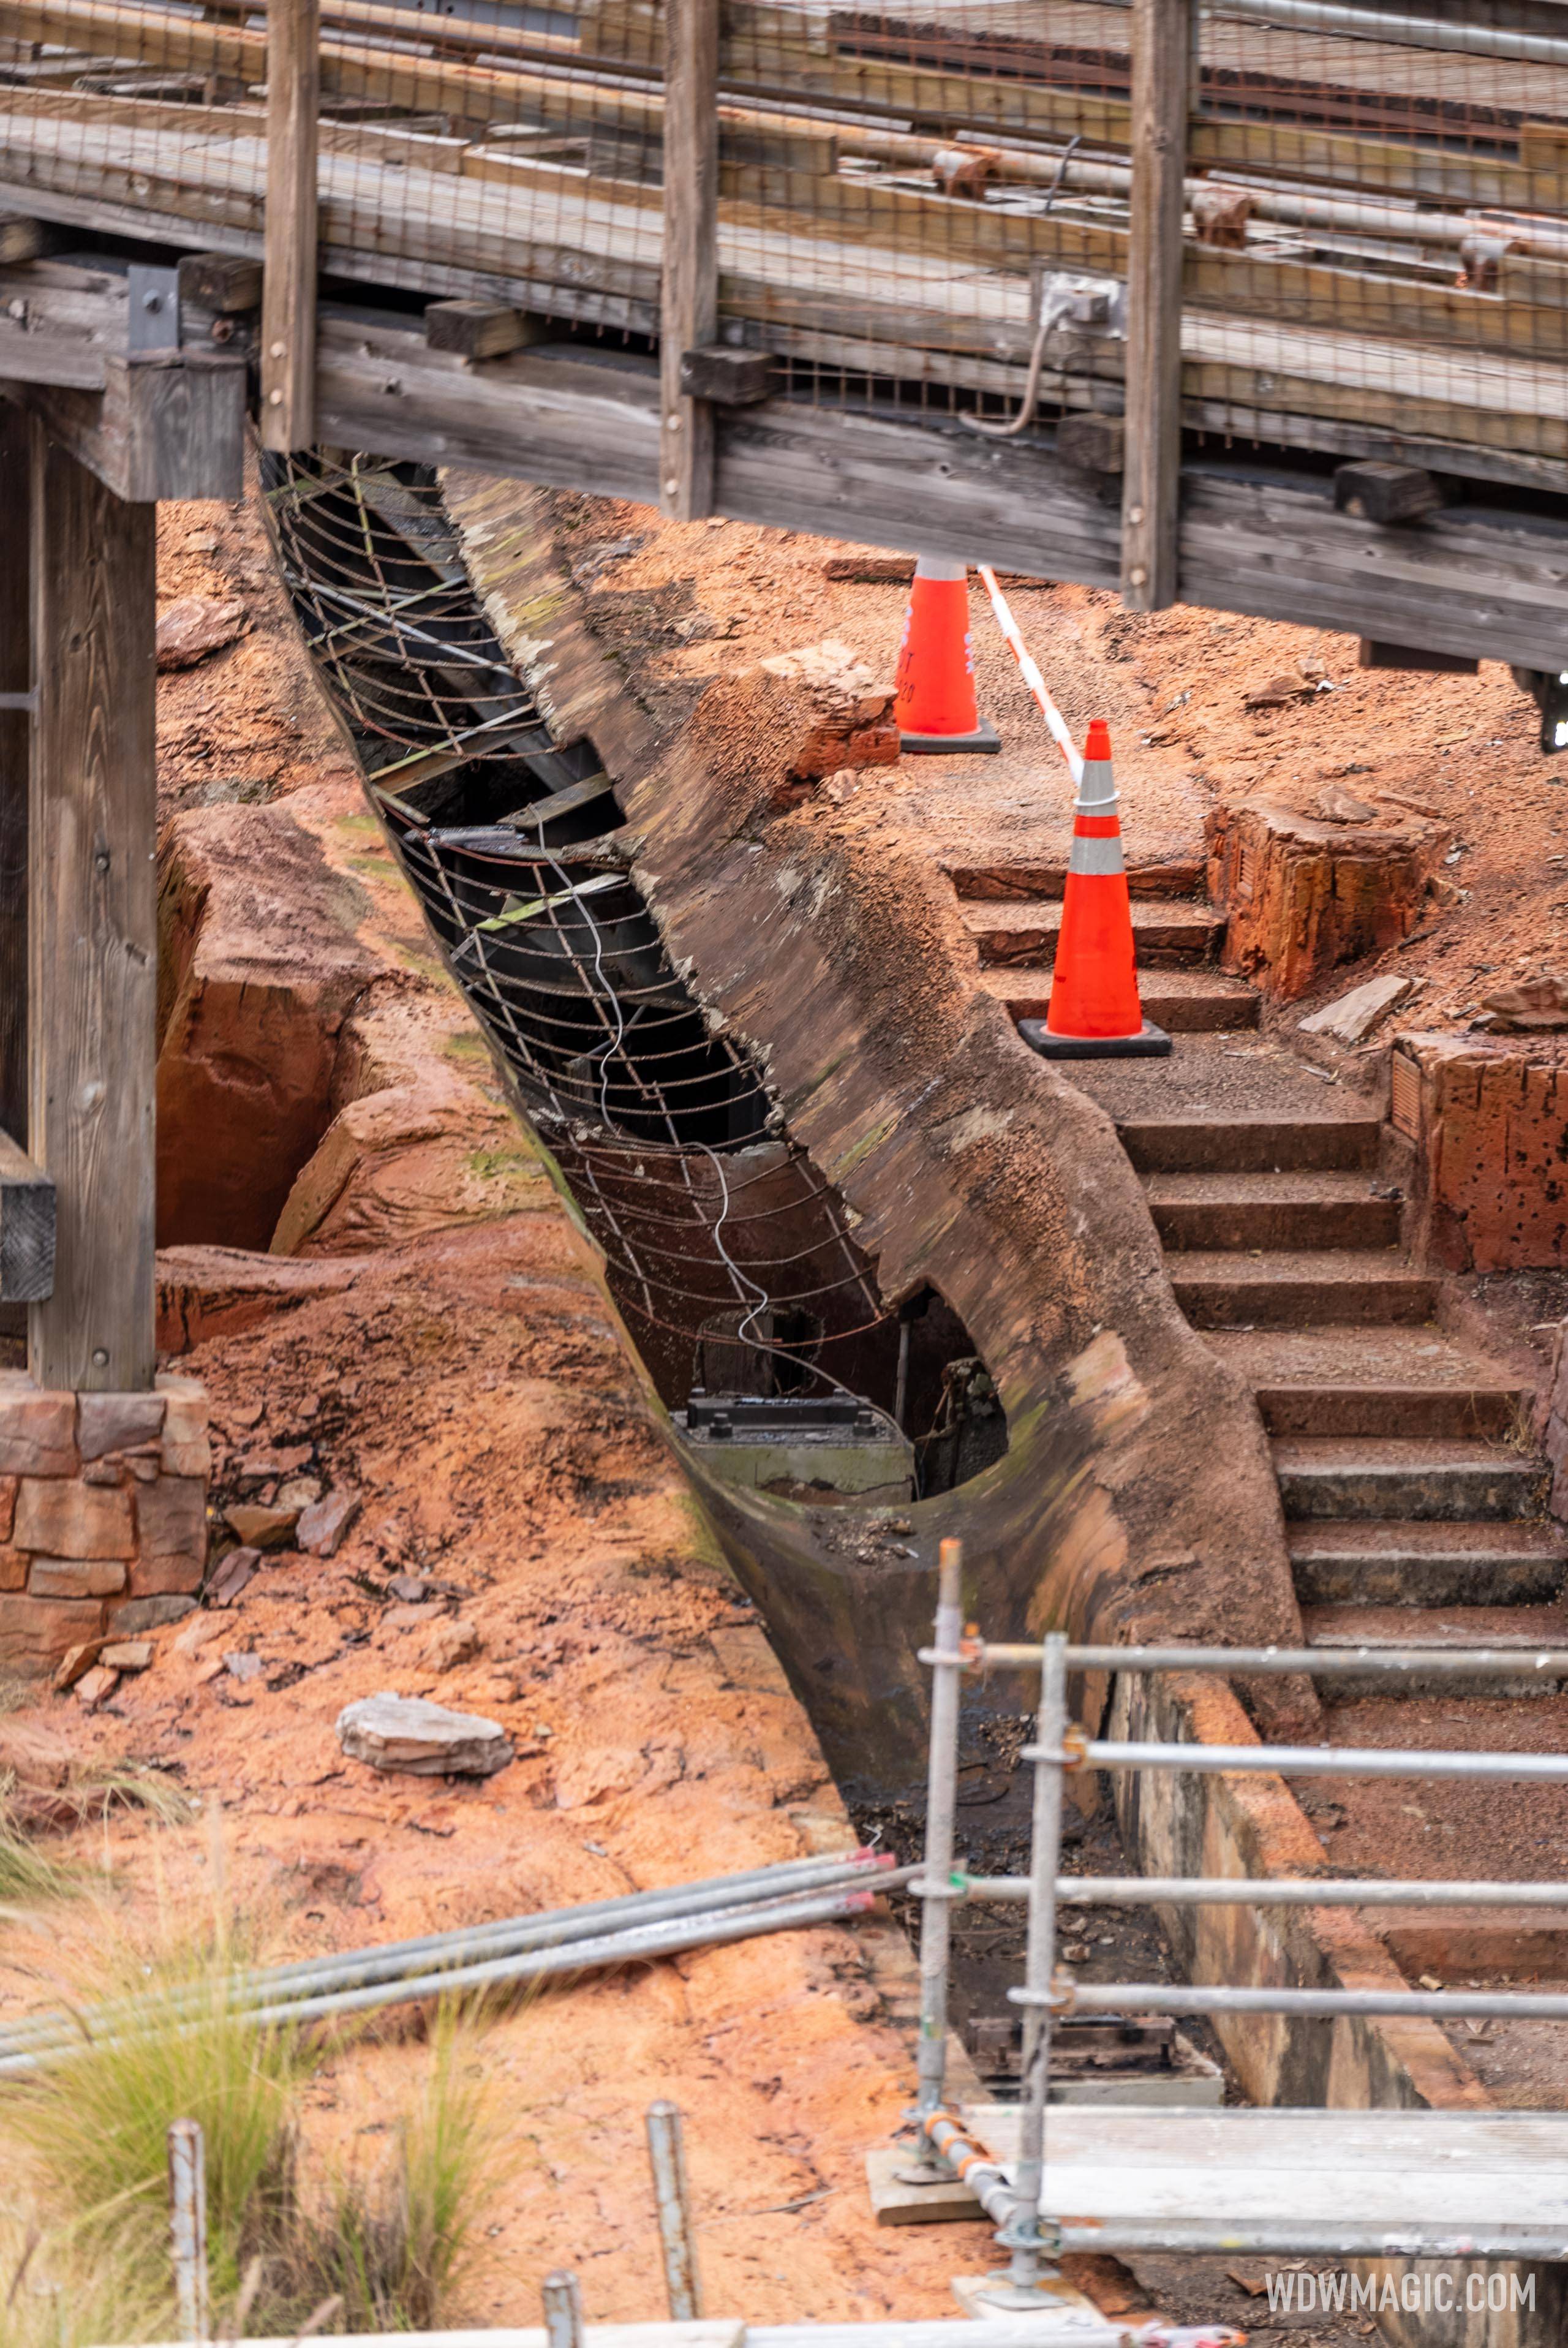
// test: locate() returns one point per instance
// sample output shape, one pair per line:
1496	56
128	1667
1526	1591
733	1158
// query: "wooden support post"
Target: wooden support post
688	309
289	286
93	948
1161	35
15	738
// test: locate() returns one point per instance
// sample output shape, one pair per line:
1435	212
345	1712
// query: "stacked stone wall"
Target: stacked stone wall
103	1514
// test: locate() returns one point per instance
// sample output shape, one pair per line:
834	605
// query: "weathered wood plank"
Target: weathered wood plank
688	297
561	418
1151	478
162	426
50	358
600	240
288	288
15	735
93	950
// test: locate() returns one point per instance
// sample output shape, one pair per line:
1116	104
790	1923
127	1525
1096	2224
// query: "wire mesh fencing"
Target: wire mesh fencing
731	1257
919	207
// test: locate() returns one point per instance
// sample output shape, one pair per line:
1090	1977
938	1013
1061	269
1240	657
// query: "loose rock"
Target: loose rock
76	1663
230	1575
193	627
262	1527
1538	1003
425	1740
95	1687
445	1643
126	1655
1354	1015
324	1525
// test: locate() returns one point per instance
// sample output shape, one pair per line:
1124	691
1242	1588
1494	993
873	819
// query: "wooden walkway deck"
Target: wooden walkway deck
1372	256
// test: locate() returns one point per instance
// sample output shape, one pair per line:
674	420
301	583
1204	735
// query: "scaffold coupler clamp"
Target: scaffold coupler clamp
1026	2230
925	2165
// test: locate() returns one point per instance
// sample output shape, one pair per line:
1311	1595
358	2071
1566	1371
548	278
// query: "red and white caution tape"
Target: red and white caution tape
1031	674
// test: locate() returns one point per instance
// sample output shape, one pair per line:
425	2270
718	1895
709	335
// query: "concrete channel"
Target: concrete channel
874	1194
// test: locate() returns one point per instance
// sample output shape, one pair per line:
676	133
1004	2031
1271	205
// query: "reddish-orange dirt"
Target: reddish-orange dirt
466	1377
1174	687
469	1382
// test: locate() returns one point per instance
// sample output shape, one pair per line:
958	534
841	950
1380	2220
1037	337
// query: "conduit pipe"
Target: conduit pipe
571	1940
635	1946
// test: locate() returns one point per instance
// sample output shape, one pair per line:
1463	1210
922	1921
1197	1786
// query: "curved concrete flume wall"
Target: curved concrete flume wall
1137	1499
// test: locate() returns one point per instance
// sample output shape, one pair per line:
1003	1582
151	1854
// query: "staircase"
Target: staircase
1177	938
1415	1503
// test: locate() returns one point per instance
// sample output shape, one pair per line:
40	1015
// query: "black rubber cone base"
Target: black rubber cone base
982	743
1153	1044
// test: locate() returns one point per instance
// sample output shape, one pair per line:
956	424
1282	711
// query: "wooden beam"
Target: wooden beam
16	737
1375	491
289	289
1466	582
93	949
480	330
26	1228
1162	54
165	424
730	379
688	299
224	283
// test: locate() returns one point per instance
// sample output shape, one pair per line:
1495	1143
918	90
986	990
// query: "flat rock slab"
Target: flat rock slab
425	1740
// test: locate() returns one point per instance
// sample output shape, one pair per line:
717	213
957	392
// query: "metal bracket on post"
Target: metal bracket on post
153	323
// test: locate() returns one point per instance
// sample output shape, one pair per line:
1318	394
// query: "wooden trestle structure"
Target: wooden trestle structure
782	260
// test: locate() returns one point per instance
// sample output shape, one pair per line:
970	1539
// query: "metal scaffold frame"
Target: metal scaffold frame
1049	1989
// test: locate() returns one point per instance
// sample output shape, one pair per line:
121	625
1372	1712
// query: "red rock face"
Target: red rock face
1488	1120
1302	896
260	966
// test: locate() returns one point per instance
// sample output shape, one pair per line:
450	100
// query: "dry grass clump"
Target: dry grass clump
26	1873
285	2231
393	2244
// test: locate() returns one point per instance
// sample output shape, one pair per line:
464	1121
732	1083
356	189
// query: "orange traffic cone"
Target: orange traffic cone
1095	1012
935	710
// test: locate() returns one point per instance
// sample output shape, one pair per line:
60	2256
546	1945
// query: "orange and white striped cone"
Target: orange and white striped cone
934	707
1095	1012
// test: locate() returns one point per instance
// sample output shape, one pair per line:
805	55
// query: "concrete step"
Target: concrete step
1334	1209
1168	934
1182	1002
1528	1629
1384	1477
1349	1380
1019	883
1235	1104
1389	1562
1248	1145
1285	1289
